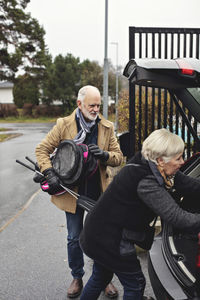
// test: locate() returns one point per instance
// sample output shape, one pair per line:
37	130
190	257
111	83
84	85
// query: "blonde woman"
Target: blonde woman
121	217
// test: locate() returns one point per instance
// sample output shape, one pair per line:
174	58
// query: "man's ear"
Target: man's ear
78	103
160	161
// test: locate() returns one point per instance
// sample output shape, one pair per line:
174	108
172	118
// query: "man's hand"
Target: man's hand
52	180
98	153
37	177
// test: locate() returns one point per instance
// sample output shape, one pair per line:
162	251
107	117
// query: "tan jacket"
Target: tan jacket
66	128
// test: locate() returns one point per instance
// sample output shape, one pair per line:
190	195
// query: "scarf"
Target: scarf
161	176
85	127
169	180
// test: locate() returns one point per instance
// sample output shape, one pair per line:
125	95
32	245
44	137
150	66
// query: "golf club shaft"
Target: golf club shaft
25	165
28	167
31	160
70	191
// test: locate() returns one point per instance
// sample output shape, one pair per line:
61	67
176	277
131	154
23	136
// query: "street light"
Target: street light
116	99
105	69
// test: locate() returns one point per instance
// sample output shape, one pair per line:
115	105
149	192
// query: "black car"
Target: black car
173	261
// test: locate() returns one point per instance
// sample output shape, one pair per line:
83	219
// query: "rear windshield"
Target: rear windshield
195	92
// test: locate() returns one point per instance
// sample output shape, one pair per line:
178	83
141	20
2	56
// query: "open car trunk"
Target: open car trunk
172	258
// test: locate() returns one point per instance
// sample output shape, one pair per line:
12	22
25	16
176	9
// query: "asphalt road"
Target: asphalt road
33	261
16	181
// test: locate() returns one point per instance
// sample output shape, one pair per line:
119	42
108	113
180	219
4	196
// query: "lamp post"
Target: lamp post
116	99
105	69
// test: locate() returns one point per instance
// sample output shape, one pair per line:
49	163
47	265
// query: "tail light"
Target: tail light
185	67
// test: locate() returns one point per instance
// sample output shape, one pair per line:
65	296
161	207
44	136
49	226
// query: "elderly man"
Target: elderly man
84	125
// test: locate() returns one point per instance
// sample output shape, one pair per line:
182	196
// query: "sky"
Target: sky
78	26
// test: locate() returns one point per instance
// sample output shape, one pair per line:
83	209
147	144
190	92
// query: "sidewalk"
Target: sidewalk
33	264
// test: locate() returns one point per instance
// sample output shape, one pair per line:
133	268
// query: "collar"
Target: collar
156	172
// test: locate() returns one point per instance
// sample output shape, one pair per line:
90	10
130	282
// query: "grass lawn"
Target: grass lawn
4	137
4	129
27	120
22	119
7	136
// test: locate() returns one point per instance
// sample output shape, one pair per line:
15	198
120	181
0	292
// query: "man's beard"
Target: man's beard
87	115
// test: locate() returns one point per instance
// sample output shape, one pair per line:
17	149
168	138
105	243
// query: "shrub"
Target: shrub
148	108
8	110
123	112
26	90
111	109
47	110
27	109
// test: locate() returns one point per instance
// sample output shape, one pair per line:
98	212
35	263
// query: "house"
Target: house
6	92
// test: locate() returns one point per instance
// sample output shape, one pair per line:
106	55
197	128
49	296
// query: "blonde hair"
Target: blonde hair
162	143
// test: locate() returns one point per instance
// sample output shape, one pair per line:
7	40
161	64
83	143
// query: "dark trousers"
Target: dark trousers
133	283
75	254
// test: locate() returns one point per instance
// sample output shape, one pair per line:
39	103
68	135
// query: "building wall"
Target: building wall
6	95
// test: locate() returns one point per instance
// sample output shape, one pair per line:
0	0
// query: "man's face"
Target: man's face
90	106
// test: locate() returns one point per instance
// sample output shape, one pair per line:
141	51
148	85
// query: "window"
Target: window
195	92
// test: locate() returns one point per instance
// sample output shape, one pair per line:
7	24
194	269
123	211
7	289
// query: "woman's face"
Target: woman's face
171	167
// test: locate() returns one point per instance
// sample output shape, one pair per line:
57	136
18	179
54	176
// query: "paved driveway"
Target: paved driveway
33	260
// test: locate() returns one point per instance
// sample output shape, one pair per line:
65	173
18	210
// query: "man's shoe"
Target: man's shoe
111	291
147	298
75	288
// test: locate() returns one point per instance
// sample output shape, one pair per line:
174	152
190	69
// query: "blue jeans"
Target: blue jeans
133	283
75	254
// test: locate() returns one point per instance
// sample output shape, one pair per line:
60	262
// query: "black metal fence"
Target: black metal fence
152	108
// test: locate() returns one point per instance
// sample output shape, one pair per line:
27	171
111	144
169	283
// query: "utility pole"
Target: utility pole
105	70
117	88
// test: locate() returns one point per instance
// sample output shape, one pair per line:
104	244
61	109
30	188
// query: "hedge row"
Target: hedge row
29	110
8	110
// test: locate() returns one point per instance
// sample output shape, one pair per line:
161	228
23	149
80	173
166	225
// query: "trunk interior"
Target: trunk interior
180	248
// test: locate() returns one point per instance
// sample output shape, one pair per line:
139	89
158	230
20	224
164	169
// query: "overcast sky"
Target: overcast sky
78	26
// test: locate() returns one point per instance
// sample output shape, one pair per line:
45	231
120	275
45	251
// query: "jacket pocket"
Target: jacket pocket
143	239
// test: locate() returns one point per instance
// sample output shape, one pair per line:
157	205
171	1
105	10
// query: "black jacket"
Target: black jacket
136	195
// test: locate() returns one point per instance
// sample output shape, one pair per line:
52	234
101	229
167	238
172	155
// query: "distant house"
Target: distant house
6	92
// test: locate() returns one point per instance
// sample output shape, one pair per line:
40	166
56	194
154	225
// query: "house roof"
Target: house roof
6	84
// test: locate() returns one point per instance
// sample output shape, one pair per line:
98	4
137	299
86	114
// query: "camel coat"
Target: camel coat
66	128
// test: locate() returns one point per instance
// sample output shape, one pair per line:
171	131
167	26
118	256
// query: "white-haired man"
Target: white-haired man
84	125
